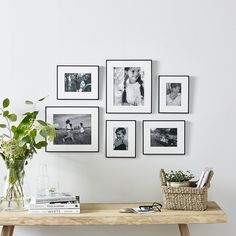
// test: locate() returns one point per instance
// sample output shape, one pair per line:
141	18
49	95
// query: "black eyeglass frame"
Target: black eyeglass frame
154	207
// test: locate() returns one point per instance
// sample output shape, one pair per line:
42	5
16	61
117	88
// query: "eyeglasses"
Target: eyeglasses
154	207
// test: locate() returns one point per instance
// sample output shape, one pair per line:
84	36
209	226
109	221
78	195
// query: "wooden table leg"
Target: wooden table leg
7	230
183	228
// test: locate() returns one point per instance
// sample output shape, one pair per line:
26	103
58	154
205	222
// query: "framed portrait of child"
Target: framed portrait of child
121	138
129	86
173	94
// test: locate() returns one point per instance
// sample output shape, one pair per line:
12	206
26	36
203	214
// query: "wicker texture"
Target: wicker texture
184	198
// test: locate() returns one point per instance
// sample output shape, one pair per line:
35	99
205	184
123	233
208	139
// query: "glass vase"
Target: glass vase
13	197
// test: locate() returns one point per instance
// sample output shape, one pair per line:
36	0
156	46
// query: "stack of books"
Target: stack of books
55	203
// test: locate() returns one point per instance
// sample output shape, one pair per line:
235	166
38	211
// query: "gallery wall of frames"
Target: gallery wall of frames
128	91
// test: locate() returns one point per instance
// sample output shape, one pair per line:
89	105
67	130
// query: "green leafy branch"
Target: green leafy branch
25	138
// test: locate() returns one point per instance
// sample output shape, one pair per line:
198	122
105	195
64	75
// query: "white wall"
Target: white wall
182	37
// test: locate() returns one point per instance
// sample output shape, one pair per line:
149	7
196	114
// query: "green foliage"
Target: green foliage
41	99
179	176
5	113
12	117
29	102
23	140
6	102
41	122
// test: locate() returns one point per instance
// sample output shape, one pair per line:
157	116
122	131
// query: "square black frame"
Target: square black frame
77	98
135	137
165	153
98	110
150	81
159	94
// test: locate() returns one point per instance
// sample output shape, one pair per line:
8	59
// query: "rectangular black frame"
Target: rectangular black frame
161	112
75	107
77	98
107	88
135	122
164	121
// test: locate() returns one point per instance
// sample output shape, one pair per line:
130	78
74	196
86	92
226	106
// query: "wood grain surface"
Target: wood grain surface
108	214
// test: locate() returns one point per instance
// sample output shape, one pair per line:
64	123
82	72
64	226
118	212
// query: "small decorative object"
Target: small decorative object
184	198
43	181
76	128
77	82
18	143
129	86
179	178
121	138
163	137
173	94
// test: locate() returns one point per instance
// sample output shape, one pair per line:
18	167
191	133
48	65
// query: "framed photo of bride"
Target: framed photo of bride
129	86
173	94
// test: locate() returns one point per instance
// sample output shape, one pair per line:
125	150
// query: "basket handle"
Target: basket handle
207	184
163	177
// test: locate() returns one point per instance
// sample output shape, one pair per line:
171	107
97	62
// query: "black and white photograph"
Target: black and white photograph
76	129
77	82
173	94
121	138
72	129
129	86
163	137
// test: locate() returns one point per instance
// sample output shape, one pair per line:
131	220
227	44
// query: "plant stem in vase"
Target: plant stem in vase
13	197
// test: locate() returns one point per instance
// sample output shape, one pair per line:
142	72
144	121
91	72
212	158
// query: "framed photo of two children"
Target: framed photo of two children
76	128
129	86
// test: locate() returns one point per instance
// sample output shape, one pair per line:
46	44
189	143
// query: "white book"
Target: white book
201	178
55	211
54	197
204	177
54	206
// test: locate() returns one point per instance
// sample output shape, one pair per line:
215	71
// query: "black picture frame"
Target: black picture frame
186	110
135	139
73	66
97	108
129	60
168	121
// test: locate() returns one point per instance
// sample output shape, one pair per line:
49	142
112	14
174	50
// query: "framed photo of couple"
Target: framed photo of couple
173	94
77	128
129	86
121	138
77	82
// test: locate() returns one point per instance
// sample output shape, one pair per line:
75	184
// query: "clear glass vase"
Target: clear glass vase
13	197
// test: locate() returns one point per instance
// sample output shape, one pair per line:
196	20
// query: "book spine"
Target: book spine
55	211
205	177
200	179
52	200
52	206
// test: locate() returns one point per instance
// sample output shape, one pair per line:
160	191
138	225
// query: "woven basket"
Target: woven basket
184	198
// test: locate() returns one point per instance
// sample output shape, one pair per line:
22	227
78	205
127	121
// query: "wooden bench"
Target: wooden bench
108	214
